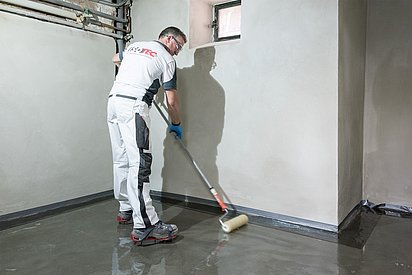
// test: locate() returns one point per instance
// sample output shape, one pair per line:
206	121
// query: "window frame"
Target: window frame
217	8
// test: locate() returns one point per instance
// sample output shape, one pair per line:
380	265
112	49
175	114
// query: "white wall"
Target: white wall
388	103
54	83
260	115
352	47
263	123
200	31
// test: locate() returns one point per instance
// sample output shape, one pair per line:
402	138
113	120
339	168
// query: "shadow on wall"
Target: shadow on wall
202	101
387	165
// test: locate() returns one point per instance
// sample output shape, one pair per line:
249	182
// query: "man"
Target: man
145	66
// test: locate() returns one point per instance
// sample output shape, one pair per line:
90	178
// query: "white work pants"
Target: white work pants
128	121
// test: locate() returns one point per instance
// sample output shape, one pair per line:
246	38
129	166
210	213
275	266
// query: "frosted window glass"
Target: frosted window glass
229	21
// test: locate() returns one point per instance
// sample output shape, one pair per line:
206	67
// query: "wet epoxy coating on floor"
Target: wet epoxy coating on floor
88	241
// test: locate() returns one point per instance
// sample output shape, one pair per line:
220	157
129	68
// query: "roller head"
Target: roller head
232	224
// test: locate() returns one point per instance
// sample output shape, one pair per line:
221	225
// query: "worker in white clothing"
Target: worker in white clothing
145	67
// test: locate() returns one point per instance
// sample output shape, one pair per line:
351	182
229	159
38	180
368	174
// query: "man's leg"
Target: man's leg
147	229
135	135
120	166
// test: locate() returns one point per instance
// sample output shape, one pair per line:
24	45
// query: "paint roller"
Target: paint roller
228	225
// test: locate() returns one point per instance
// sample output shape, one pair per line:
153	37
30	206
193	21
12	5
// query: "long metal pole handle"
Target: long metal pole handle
186	151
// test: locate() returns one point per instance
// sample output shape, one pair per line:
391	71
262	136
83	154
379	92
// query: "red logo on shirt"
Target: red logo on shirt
149	52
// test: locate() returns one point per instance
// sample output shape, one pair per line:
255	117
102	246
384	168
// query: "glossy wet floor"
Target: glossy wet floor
88	241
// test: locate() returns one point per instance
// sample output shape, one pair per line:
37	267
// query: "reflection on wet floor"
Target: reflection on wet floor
359	230
88	241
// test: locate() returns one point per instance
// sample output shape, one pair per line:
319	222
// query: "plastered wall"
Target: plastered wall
259	114
275	120
388	103
352	49
54	83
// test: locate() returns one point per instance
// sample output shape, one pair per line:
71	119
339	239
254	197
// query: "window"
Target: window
226	23
213	21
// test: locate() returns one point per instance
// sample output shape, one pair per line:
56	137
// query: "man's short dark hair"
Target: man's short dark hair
173	31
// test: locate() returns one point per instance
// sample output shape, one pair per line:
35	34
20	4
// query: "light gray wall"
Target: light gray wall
352	46
263	123
388	103
54	83
260	115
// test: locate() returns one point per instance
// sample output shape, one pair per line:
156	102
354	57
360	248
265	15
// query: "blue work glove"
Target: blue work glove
177	129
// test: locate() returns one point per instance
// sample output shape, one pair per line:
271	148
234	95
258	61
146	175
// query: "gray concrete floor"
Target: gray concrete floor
88	241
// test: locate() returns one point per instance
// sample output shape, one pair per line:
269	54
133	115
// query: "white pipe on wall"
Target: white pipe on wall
51	19
41	7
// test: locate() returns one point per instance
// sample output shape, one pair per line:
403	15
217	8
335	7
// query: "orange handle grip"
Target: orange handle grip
218	199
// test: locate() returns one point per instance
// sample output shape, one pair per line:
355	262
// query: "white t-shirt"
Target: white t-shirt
145	67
